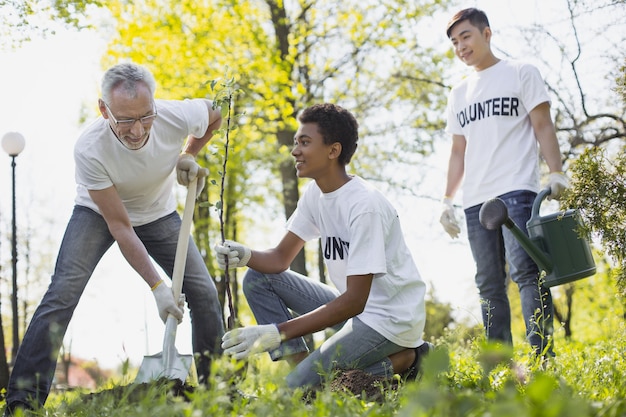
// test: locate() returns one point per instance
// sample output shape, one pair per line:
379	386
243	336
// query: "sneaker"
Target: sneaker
415	370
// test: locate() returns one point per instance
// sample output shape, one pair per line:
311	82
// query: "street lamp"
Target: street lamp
13	143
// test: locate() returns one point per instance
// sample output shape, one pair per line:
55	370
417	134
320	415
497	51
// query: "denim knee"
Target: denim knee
251	281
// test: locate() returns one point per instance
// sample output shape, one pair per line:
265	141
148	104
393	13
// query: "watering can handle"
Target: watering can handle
538	200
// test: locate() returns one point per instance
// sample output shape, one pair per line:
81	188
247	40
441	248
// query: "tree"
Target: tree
20	20
599	190
584	118
588	124
621	82
286	56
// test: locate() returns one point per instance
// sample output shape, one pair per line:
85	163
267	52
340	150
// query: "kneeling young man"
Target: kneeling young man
376	305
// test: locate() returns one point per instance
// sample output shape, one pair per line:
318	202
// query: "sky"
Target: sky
46	85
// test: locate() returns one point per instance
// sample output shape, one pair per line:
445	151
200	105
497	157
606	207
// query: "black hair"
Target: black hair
335	124
476	17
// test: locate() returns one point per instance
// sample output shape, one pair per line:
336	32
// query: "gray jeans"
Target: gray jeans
275	298
86	240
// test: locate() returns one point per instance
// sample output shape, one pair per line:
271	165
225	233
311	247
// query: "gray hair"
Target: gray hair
126	75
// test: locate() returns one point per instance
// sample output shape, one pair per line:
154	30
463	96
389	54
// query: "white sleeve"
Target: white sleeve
367	246
303	220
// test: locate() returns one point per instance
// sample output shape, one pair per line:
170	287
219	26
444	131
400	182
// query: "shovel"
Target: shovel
169	363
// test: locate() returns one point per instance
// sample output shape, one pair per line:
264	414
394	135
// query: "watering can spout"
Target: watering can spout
494	214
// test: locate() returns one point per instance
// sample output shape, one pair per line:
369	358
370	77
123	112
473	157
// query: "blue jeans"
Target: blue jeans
491	250
275	298
86	240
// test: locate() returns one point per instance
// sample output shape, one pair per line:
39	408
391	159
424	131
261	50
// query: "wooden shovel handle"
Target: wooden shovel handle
183	240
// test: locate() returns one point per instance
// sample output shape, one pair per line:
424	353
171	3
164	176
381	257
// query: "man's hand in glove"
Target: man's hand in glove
558	182
448	219
187	170
245	341
166	303
237	254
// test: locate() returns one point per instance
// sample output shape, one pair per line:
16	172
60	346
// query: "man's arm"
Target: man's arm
545	133
245	341
456	169
277	259
347	305
194	145
456	165
117	220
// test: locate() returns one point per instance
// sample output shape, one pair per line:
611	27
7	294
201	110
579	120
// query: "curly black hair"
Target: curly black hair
335	124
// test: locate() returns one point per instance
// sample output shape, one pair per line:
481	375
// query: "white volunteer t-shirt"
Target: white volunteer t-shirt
491	109
361	234
143	178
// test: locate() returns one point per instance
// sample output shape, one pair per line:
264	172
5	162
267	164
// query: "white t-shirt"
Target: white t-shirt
361	234
143	178
491	109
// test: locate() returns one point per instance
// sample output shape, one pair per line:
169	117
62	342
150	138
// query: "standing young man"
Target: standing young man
497	116
377	303
125	163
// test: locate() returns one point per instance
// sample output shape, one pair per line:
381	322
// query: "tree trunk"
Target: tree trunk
290	192
566	320
282	29
4	367
320	262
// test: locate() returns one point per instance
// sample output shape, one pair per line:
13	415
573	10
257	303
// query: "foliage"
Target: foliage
597	307
286	56
599	191
439	317
21	19
461	378
584	115
621	82
464	376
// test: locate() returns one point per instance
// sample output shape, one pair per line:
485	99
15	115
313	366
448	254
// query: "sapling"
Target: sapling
224	99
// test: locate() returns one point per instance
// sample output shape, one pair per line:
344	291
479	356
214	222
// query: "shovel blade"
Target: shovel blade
154	367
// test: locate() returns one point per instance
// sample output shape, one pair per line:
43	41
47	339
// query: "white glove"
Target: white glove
245	341
238	255
187	170
558	182
448	219
166	303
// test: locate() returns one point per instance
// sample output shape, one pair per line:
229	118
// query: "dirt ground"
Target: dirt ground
360	384
356	382
135	392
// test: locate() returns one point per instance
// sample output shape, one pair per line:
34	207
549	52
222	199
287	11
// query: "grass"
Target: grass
461	378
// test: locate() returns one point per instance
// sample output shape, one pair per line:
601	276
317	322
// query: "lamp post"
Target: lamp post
13	143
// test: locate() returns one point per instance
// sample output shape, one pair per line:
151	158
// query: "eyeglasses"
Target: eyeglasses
128	123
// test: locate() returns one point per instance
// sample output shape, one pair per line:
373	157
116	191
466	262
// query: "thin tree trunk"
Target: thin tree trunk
320	262
4	366
290	192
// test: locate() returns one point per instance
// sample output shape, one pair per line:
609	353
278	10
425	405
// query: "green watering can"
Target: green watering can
552	242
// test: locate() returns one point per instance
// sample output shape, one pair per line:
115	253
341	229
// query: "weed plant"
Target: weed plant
461	378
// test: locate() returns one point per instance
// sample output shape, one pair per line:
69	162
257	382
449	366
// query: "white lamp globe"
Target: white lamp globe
13	143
